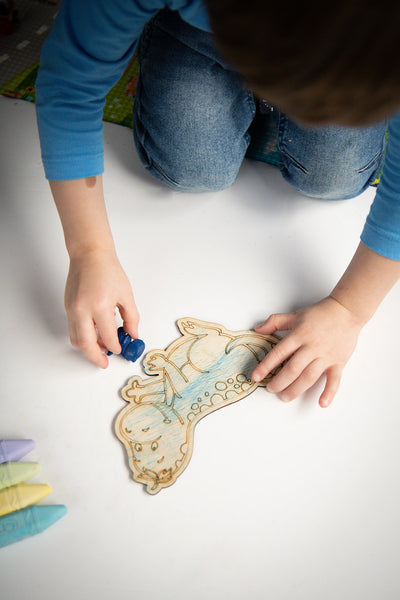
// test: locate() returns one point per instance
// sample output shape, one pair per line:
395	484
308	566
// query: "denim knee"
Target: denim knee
191	112
330	185
188	176
333	183
330	163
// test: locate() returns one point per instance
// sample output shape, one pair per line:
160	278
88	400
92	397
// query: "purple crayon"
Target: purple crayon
13	450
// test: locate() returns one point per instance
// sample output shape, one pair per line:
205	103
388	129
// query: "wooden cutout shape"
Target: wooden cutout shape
208	368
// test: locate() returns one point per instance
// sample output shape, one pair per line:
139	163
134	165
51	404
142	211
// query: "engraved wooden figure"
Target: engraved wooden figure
205	369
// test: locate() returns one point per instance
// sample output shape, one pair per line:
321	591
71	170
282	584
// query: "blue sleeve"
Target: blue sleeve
86	53
382	229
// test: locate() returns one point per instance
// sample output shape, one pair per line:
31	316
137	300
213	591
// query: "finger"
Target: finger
280	321
87	342
275	357
130	317
107	330
290	371
307	378
333	378
101	344
73	336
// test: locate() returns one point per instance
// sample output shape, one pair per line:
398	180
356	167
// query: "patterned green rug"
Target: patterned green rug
118	107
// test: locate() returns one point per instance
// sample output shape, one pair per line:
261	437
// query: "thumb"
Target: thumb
130	318
279	321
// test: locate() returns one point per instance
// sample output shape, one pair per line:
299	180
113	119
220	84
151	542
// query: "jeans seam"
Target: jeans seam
138	109
143	50
251	104
145	39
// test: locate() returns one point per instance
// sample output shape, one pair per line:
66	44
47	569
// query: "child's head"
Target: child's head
319	61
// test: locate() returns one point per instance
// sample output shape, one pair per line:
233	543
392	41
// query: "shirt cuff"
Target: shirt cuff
77	167
381	241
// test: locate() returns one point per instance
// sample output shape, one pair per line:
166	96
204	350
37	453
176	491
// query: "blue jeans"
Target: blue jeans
192	115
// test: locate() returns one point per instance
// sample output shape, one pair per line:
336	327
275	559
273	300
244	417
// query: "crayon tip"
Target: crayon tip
48	514
12	450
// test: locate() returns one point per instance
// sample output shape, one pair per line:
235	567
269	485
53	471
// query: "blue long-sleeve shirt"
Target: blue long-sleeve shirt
87	51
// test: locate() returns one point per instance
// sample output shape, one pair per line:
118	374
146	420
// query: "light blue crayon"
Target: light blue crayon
28	521
12	450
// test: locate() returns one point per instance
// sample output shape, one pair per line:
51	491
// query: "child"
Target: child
332	77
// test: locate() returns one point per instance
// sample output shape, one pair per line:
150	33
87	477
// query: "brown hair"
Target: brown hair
321	61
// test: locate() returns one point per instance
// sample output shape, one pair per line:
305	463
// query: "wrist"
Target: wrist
78	249
365	283
358	316
92	252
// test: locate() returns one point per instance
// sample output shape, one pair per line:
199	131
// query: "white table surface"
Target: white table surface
280	501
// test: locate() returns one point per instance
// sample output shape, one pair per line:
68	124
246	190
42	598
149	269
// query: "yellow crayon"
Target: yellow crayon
12	473
19	496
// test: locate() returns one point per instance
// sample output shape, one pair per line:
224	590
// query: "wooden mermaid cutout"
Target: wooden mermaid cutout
207	368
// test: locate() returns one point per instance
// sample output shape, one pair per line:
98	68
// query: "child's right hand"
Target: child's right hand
96	286
96	283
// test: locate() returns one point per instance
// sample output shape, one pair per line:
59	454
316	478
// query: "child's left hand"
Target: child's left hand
322	339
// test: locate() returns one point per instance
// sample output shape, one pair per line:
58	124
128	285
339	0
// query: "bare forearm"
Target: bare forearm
365	283
96	283
82	211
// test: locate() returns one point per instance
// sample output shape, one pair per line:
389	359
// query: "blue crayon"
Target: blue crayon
13	450
28	522
130	349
